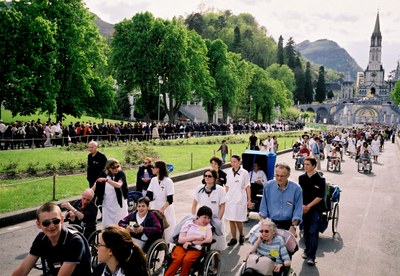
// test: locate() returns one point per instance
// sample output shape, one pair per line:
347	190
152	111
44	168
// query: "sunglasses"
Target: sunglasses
115	167
209	176
264	231
55	221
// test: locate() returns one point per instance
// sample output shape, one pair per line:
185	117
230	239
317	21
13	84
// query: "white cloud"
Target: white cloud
349	23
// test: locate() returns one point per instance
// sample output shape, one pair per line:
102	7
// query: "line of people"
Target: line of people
228	198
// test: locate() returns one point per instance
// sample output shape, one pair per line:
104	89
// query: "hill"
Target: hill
106	29
329	54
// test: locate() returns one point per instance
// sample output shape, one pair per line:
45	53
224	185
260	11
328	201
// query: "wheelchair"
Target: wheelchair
291	245
331	167
207	264
299	163
364	166
331	212
156	253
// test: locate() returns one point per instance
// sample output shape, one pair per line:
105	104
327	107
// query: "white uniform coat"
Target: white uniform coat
112	212
162	189
236	206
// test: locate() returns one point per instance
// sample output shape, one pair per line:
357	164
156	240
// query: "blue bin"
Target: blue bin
264	158
170	167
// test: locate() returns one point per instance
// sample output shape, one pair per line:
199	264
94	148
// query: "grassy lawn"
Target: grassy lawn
30	192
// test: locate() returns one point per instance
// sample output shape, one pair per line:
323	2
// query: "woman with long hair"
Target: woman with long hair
161	193
118	254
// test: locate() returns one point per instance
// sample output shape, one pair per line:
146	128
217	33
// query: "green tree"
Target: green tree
299	95
81	58
283	73
217	54
261	92
320	91
195	21
290	53
27	60
280	57
229	87
330	94
308	85
236	40
395	94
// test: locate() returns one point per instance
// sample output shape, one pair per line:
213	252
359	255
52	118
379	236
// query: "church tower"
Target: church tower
374	84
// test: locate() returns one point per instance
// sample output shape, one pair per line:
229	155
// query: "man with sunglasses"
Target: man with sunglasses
65	252
282	200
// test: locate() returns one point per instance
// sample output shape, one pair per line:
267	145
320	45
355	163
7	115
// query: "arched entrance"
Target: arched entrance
366	115
322	115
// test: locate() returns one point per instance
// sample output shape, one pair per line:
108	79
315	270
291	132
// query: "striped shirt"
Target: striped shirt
275	249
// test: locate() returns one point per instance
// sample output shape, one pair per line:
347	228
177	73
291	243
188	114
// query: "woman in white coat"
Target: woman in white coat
239	199
213	196
161	193
375	146
351	145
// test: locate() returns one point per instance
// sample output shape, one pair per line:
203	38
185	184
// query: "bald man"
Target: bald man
83	212
96	163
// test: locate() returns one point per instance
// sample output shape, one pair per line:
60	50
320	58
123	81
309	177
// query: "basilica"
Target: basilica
368	99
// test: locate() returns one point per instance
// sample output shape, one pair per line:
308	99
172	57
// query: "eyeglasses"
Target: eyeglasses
209	176
281	176
55	221
115	167
100	245
264	231
145	163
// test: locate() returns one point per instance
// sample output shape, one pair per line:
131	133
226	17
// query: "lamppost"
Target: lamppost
160	81
131	99
251	98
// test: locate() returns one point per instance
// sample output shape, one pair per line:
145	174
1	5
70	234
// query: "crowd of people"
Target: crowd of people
20	135
125	236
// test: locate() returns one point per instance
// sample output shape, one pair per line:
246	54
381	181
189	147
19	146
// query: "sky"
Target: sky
349	23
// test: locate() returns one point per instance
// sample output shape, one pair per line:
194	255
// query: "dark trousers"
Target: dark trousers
311	232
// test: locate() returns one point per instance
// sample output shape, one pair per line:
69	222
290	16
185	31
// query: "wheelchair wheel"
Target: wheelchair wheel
242	268
328	164
291	272
155	257
93	241
335	217
211	264
359	166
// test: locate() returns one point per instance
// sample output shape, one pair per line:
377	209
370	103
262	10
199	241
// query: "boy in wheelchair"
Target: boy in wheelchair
192	236
143	224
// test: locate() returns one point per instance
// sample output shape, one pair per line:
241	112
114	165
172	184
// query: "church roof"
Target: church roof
377	29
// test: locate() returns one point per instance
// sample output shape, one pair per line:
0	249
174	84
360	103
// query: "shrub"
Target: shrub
66	165
136	153
51	167
11	168
32	168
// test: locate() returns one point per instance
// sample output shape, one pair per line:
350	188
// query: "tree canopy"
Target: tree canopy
54	61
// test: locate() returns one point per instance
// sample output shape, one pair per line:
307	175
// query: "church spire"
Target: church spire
376	38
